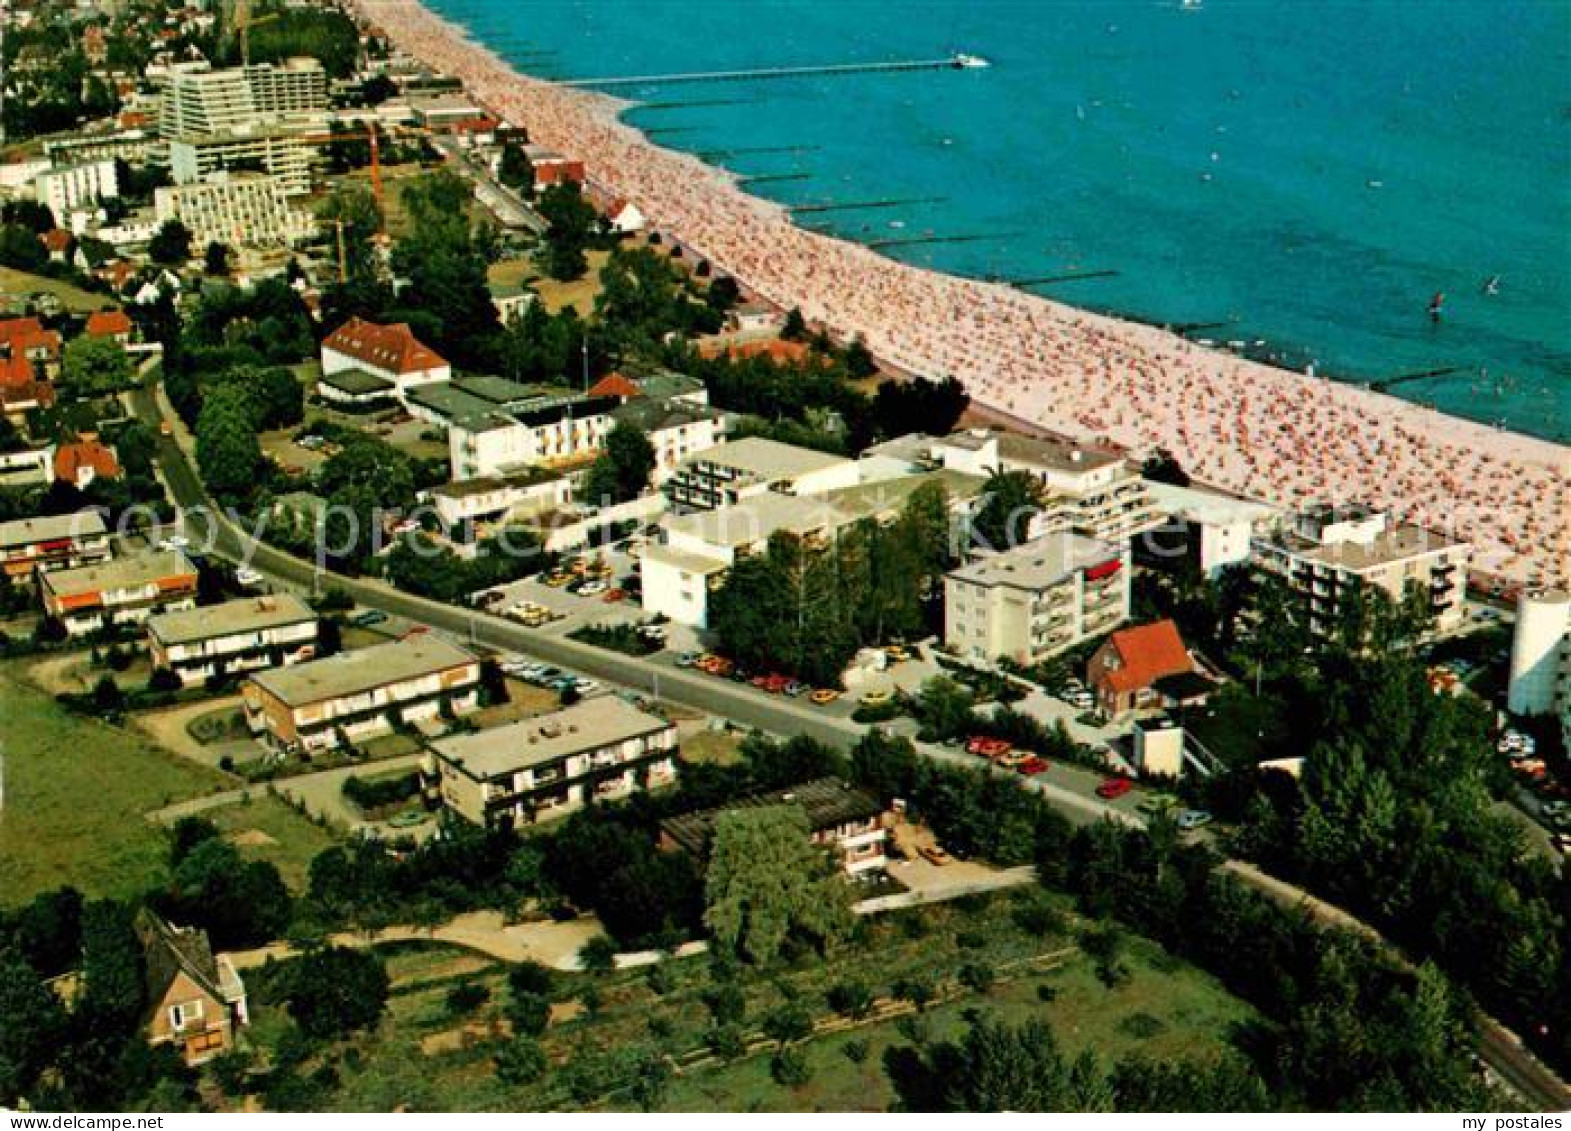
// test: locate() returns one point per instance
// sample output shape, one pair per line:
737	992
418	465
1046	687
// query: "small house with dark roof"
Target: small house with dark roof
195	999
841	817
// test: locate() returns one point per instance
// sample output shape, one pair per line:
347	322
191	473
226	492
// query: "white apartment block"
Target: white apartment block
242	210
213	103
280	153
551	433
118	591
237	636
1089	492
601	749
76	187
50	542
1541	657
1036	599
1206	530
1326	552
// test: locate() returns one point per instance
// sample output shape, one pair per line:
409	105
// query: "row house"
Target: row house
51	542
601	749
275	630
356	695
120	591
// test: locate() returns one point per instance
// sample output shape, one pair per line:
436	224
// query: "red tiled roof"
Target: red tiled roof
13	328
86	452
20	387
56	239
614	385
108	323
394	348
1146	653
15	371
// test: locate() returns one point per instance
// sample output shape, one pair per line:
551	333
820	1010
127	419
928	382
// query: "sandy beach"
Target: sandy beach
1242	426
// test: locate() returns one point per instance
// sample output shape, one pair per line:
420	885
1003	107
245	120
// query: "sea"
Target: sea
1300	177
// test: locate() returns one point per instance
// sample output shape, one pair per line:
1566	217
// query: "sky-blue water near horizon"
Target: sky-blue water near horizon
1308	172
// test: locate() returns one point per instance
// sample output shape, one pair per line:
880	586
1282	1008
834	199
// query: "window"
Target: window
186	1013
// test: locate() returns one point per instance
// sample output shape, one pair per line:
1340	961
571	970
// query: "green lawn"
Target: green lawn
74	299
265	828
75	795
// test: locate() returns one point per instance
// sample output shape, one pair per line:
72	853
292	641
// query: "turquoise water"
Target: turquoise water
1307	173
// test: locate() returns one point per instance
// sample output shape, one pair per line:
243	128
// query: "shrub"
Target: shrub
856	1051
726	1042
530	978
520	1061
163	680
851	998
727	1003
466	997
529	1013
977	976
790	1069
916	990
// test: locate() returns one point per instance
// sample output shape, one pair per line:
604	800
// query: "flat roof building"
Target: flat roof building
119	591
1037	599
359	694
841	818
239	209
274	630
599	749
52	542
741	469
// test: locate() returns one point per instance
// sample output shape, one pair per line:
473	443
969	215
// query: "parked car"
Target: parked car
1193	819
824	696
368	618
1031	765
1114	788
248	578
897	654
175	542
876	698
987	747
933	855
688	659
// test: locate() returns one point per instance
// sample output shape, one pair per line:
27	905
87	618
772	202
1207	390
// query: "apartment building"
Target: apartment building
1327	552
66	541
600	749
840	818
676	430
743	469
545	433
73	187
1540	673
1201	530
356	695
1093	493
390	352
1037	599
279	152
493	500
275	630
213	103
240	209
118	591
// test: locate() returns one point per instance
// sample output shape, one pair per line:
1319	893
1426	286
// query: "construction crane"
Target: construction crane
372	134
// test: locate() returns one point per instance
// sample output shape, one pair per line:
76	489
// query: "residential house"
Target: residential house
551	168
599	749
356	695
119	591
545	432
64	541
1146	667
58	242
26	337
274	630
196	1000
111	324
82	460
21	389
1326	553
625	217
840	818
390	352
1037	599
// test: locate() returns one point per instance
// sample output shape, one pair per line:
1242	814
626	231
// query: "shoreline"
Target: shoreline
1242	426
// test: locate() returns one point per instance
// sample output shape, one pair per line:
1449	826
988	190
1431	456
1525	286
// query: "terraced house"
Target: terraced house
122	591
237	636
601	749
357	695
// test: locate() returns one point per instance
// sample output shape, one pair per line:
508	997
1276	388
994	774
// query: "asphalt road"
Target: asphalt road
1500	1049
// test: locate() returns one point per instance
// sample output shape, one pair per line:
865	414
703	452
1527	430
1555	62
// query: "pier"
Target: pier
1425	375
1070	277
822	70
846	206
913	241
665	131
750	150
766	178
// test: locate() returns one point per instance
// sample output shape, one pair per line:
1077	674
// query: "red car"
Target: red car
1032	766
988	747
1114	787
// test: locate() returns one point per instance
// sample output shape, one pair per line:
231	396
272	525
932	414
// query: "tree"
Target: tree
767	881
622	471
334	991
1012	499
227	450
96	365
795	327
946	707
572	222
240	903
1001	1067
112	988
170	245
362	482
859	361
216	260
352	216
20	248
47	932
1163	467
31	214
520	1061
32	1023
514	170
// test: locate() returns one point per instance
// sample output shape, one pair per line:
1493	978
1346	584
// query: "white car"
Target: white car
249	578
585	686
175	542
590	588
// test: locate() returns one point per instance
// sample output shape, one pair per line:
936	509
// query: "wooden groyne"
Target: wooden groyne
913	241
825	70
1069	277
849	205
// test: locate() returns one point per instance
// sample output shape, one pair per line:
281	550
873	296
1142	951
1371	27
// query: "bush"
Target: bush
163	680
466	997
529	1013
726	1042
978	976
530	978
856	1051
851	998
791	1021
371	794
727	1003
1039	918
520	1061
916	990
790	1069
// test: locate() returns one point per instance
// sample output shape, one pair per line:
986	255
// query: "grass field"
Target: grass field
265	828
74	299
554	296
426	1058
75	795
